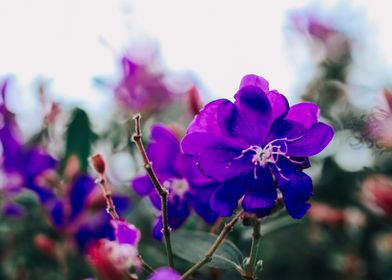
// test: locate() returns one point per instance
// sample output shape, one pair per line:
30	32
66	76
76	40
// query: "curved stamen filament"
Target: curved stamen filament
270	154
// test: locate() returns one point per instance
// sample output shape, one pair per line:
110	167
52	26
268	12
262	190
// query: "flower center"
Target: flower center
270	154
177	186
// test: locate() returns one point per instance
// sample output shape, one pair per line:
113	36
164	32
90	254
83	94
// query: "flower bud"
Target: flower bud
98	163
45	244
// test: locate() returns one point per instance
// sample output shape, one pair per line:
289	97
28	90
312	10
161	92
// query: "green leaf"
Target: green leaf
193	246
278	224
79	137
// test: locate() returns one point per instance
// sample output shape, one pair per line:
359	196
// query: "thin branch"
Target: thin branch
110	208
163	193
208	257
145	266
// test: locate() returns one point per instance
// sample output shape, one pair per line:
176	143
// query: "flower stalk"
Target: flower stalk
250	271
163	193
208	257
99	165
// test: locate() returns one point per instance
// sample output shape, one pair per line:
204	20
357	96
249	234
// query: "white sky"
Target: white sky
218	40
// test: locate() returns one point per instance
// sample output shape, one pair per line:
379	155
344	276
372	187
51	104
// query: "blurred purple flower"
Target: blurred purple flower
113	258
310	23
243	145
22	166
140	89
73	213
188	187
165	273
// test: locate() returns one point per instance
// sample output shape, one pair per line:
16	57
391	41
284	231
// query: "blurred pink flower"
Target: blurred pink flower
379	124
377	194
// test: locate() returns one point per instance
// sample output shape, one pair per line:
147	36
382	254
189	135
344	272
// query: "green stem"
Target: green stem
208	257
250	268
163	193
145	265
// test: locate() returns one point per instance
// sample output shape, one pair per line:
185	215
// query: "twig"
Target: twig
208	257
163	193
110	208
145	266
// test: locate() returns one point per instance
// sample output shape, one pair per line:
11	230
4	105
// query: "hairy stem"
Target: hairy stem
250	268
208	257
110	208
163	193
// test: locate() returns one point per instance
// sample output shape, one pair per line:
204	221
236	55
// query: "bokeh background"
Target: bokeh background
72	74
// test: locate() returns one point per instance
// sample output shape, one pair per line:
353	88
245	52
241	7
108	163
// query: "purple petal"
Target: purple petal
37	161
296	190
225	200
305	113
216	155
279	104
200	201
286	129
79	193
207	119
57	214
157	229
13	210
165	273
249	119
256	81
193	174
142	185
313	142
163	148
125	233
122	203
261	194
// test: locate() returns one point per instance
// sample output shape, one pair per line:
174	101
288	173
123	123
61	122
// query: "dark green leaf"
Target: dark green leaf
193	246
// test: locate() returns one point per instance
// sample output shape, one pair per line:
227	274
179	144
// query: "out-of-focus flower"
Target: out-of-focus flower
309	23
244	144
141	89
80	213
165	273
23	166
113	258
45	244
188	187
379	124
325	214
377	194
194	100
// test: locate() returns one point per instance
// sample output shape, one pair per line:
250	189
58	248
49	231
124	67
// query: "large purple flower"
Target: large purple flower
188	187
249	144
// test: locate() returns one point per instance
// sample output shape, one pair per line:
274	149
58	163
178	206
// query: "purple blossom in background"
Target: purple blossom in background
113	258
70	213
165	273
140	89
188	187
246	144
22	165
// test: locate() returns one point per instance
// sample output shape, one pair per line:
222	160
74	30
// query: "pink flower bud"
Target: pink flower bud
98	163
45	244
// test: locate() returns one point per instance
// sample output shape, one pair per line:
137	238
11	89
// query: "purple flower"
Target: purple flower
165	273
247	144
22	165
188	187
141	89
113	258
